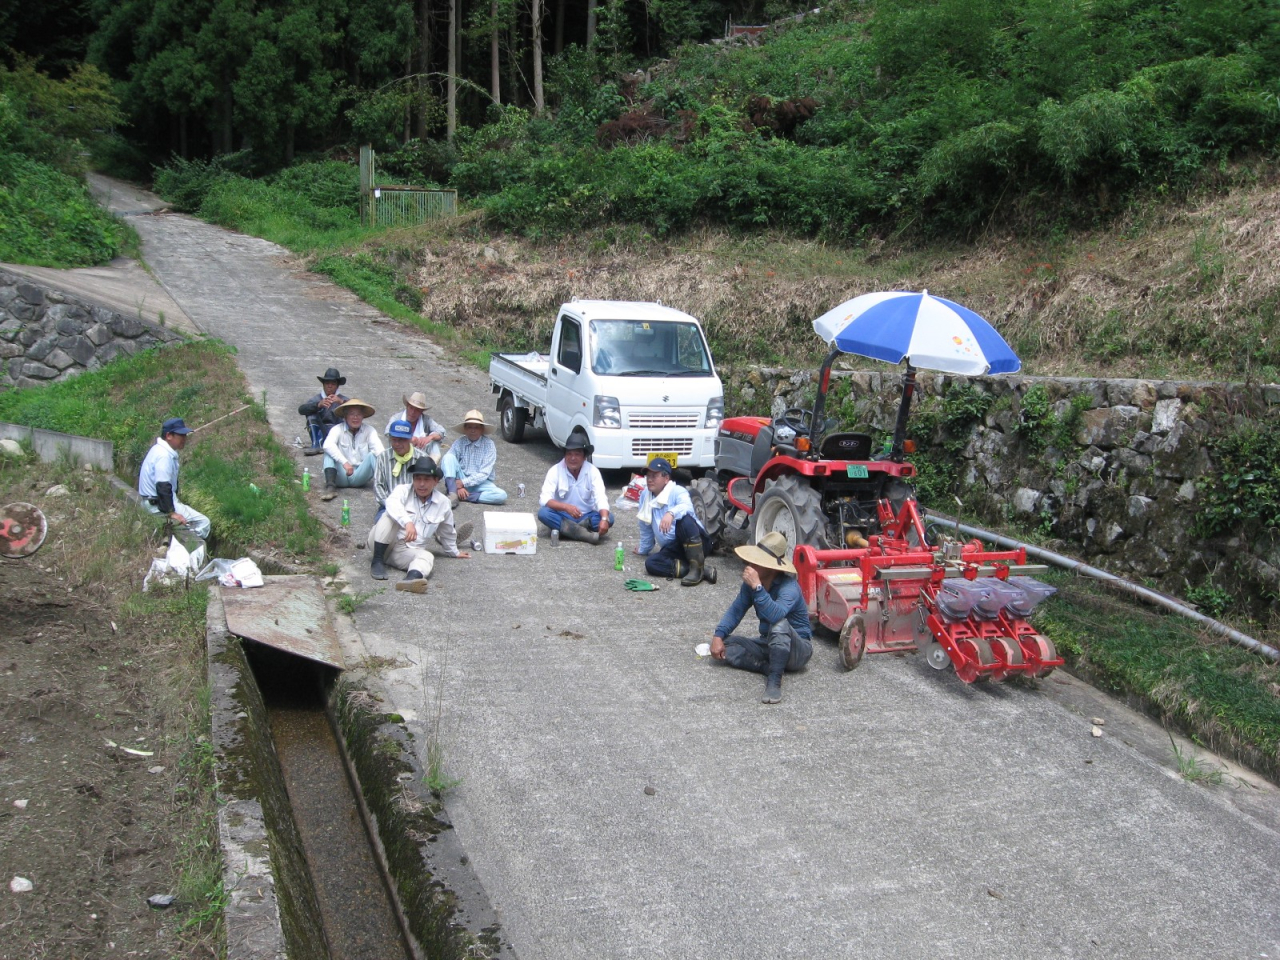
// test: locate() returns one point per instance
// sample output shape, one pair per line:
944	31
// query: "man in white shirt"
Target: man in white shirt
415	514
668	521
574	499
158	479
427	434
351	449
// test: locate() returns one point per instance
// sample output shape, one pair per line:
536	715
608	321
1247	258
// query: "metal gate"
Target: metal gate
396	206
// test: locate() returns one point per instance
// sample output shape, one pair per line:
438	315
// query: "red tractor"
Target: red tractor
865	562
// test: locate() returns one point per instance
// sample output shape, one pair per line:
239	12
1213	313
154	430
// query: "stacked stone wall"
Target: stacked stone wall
47	336
1121	487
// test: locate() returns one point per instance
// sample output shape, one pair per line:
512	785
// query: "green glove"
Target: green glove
640	586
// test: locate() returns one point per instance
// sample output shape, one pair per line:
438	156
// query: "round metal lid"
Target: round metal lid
22	529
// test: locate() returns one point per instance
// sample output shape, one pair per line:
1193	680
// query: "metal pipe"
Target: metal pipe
1142	593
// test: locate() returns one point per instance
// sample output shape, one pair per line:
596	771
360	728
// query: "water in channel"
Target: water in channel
356	912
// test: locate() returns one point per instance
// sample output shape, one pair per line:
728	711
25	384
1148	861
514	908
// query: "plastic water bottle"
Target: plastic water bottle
619	556
346	513
555	538
306	479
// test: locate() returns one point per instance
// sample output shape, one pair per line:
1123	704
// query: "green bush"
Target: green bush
48	218
1243	492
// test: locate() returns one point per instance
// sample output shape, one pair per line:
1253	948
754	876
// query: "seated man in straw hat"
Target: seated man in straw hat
351	449
415	514
319	410
427	434
785	639
668	521
391	466
471	464
574	500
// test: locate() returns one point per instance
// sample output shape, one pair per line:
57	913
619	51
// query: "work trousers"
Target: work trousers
362	475
671	560
752	653
399	554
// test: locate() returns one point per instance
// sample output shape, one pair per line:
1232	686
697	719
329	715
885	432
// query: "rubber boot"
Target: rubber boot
330	483
697	559
412	583
571	530
778	657
378	565
317	441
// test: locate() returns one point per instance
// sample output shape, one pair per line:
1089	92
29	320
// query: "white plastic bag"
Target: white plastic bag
178	564
232	573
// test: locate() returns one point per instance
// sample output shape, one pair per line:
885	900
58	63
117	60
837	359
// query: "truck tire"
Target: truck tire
512	419
791	507
709	507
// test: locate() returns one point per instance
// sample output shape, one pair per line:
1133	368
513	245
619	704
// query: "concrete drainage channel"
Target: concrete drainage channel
333	847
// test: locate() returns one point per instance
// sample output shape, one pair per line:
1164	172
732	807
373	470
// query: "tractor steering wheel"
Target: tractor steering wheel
797	419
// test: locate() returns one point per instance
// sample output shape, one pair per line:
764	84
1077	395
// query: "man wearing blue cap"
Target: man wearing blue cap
392	468
158	479
667	520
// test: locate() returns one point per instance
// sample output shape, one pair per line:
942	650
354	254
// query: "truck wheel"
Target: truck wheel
709	507
513	419
792	508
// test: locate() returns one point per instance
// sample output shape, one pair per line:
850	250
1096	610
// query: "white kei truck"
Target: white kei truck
636	378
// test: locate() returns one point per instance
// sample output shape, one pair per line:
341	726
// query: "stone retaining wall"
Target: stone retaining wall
46	335
1117	476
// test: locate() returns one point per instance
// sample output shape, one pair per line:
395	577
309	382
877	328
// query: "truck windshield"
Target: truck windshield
640	348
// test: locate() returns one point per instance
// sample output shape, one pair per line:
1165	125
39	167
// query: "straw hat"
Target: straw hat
771	553
416	399
343	409
477	418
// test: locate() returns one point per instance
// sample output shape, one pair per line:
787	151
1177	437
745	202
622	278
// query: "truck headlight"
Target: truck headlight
715	413
608	414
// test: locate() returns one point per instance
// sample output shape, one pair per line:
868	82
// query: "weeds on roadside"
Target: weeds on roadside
349	603
1192	769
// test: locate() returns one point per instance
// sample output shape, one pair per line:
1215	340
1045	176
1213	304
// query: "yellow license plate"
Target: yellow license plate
669	457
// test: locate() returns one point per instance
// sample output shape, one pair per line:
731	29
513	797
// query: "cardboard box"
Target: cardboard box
510	533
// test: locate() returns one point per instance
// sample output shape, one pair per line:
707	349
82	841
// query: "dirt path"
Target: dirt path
619	797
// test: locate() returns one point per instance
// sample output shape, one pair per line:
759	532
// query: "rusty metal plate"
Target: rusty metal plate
287	613
22	529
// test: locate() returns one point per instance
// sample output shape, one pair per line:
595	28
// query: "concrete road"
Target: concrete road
891	812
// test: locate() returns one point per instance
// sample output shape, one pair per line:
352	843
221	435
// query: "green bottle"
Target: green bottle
619	555
306	479
346	513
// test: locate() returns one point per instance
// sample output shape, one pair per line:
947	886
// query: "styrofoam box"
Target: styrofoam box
510	533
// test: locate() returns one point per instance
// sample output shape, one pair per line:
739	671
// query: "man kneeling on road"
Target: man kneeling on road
158	479
574	499
667	519
784	644
415	513
471	464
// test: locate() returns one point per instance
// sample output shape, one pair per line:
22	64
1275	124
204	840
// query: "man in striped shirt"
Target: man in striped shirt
471	464
392	468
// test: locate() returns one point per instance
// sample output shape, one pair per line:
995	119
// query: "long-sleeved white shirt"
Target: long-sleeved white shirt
429	517
347	447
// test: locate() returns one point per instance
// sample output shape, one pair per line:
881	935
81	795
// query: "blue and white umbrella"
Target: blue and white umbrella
928	332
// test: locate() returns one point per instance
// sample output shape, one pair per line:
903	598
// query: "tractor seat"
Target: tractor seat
846	446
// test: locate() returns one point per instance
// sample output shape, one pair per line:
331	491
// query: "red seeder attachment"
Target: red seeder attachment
958	604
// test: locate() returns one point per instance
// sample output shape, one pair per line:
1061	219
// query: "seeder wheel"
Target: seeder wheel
1046	652
1012	656
981	656
853	641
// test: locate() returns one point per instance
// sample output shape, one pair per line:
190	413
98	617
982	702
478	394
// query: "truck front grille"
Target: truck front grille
663	421
642	446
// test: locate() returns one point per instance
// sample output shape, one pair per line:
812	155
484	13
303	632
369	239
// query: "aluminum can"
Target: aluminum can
519	489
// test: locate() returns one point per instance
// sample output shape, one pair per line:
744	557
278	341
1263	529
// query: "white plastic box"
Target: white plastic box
510	533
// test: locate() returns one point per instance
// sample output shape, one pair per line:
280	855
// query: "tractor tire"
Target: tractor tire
793	508
709	506
512	419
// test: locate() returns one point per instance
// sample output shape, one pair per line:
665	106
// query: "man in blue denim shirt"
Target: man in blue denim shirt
784	643
668	521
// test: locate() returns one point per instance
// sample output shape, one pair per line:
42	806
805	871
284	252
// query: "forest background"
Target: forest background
1091	176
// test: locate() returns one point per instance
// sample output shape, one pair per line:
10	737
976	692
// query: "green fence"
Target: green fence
389	205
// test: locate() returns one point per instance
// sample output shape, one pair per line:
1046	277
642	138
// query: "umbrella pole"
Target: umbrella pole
820	402
900	428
